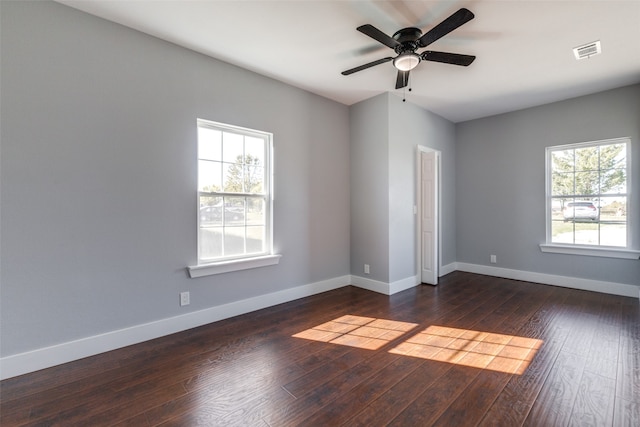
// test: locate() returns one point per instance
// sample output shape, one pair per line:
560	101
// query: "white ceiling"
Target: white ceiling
523	47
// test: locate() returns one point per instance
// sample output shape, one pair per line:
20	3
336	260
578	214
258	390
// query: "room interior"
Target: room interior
98	165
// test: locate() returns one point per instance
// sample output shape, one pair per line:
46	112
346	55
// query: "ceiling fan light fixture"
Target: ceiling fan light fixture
406	61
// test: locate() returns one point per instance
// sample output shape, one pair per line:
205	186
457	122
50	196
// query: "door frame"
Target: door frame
438	154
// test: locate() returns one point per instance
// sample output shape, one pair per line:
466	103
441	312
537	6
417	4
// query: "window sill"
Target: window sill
233	265
590	251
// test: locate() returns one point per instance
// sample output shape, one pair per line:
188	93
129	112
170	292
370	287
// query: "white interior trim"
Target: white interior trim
232	265
590	251
383	287
446	269
371	285
18	364
403	284
418	210
551	279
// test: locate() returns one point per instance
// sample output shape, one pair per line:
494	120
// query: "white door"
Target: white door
428	211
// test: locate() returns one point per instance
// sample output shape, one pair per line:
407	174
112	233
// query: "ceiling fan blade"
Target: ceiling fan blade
378	35
462	16
402	79
447	58
365	66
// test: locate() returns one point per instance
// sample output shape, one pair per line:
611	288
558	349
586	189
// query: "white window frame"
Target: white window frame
582	249
241	262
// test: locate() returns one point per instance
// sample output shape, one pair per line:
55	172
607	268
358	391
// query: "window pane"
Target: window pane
254	150
209	176
587	183
255	239
587	159
561	232
255	211
210	211
209	144
613	209
613	181
233	178
232	148
210	242
562	161
253	179
558	206
586	233
613	235
234	241
562	184
613	156
234	211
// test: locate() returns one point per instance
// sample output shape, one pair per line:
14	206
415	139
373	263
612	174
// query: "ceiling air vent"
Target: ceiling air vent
587	50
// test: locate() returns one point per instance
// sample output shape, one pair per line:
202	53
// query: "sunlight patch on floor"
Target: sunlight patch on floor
358	331
484	350
497	352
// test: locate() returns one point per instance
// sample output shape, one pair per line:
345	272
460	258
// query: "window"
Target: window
588	194
234	193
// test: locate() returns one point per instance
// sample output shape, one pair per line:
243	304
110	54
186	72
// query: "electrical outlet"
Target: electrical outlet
184	298
366	269
493	259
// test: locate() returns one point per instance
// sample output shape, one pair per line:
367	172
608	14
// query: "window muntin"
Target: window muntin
588	194
234	197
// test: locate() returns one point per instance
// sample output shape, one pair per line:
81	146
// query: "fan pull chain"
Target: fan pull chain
404	89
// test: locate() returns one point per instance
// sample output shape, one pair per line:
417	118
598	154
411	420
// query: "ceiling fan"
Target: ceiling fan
405	42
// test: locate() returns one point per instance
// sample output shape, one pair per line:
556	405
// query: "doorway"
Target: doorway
428	214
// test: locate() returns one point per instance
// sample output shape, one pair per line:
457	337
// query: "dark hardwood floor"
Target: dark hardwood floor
475	350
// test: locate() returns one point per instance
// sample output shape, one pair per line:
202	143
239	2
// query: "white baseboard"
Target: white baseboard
403	284
370	284
446	269
31	361
551	279
383	287
47	357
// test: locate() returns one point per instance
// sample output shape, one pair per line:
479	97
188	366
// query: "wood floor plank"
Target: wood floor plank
268	368
432	402
471	405
594	402
314	379
322	395
554	404
390	404
628	378
342	407
626	413
256	410
136	421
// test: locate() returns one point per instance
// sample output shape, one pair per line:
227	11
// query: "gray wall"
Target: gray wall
369	187
384	135
411	126
500	191
98	176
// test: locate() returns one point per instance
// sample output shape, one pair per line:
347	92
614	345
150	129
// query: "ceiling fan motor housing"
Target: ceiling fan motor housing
407	37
